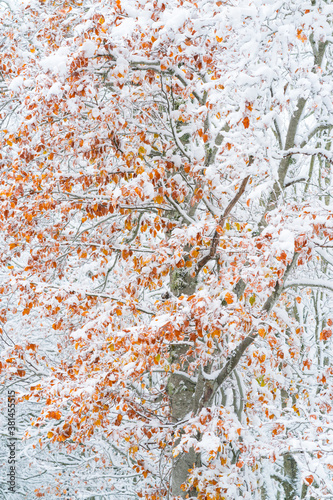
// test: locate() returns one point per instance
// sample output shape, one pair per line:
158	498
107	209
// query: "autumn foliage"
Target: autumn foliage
166	223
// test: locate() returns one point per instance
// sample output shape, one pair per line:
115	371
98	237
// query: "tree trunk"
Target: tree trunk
181	391
291	477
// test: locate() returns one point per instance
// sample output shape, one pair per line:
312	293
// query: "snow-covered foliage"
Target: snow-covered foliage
166	232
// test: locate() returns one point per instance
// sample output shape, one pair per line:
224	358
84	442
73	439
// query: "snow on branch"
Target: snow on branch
309	283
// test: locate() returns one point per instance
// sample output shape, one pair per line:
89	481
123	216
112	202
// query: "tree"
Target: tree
165	194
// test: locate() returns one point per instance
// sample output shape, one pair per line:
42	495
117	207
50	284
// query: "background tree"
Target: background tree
165	193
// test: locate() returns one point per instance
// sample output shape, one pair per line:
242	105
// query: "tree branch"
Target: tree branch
238	352
216	237
305	282
319	128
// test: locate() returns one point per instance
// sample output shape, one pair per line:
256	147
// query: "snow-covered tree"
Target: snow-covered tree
166	224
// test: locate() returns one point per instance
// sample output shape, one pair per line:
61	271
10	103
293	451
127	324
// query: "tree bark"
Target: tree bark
291	477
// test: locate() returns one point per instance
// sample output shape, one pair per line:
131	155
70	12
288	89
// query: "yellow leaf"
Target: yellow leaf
157	358
159	199
261	381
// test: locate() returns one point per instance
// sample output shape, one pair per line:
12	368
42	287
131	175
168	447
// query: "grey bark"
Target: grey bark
181	390
291	475
318	53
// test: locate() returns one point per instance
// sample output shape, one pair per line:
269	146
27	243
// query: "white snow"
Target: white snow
89	48
57	62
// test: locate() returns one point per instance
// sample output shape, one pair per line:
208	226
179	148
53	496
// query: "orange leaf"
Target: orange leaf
301	36
309	479
325	334
246	122
261	358
229	298
33	347
262	332
118	419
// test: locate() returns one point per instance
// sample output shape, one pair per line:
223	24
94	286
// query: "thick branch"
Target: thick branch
311	152
237	353
234	358
181	212
319	128
305	282
216	237
290	141
284	164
